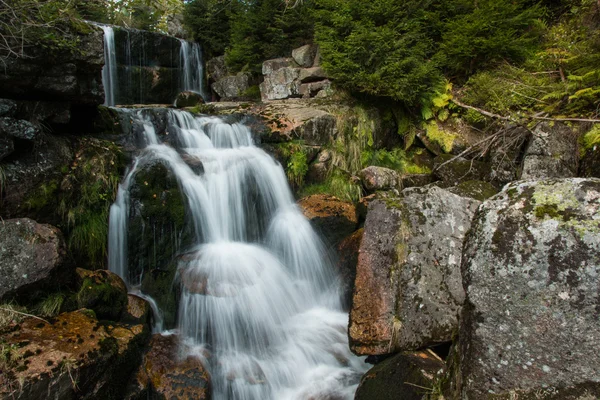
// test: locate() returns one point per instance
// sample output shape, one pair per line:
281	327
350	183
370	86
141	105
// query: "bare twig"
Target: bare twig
24	314
483	112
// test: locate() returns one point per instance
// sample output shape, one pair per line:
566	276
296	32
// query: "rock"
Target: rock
305	55
74	357
8	108
402	377
216	68
147	84
348	258
478	190
58	75
408	290
314	89
138	311
102	291
231	87
32	258
333	218
315	74
506	155
45	112
531	269
270	66
7	146
188	99
18	128
551	153
460	169
416	180
379	178
281	83
164	374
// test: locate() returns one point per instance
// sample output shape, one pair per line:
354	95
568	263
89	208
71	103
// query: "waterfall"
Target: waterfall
109	70
192	69
259	297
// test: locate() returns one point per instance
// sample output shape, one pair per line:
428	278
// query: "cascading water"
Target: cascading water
258	297
109	71
192	69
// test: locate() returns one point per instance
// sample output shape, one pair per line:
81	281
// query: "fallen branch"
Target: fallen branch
24	314
567	119
483	112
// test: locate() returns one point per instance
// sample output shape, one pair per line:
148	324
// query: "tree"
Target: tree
208	22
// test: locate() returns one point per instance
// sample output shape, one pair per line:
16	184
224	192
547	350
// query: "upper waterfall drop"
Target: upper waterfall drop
192	66
259	297
109	71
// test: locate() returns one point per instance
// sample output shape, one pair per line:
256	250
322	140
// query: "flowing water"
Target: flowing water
259	298
109	70
192	68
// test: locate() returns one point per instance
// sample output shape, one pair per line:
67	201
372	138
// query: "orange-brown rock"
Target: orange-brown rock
333	218
74	356
167	373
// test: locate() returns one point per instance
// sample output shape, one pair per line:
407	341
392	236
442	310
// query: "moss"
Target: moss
550	210
478	190
203	109
590	140
337	184
252	93
103	296
45	195
442	138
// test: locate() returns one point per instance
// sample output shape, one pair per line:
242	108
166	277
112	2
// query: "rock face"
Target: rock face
401	377
459	169
188	99
74	357
333	218
58	75
18	128
408	290
299	76
531	268
164	375
217	68
32	257
347	252
552	153
379	178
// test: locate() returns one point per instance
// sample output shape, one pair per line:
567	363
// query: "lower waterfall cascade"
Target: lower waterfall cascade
260	301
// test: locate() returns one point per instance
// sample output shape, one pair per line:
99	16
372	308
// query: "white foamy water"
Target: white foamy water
259	298
109	70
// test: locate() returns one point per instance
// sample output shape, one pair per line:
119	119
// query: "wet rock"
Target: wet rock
347	252
408	290
103	292
232	87
459	169
145	48
74	357
305	56
167	373
333	218
315	74
18	128
45	112
32	258
478	190
8	108
147	84
406	376
531	268
379	178
216	68
138	311
551	153
188	99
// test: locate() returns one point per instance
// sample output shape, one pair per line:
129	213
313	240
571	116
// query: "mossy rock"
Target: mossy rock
107	121
459	169
103	292
158	284
478	190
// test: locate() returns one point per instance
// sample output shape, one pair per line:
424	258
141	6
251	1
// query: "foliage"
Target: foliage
264	29
338	184
51	305
396	159
590	139
209	23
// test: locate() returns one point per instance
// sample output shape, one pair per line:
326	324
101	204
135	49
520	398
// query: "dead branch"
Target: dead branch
483	112
24	314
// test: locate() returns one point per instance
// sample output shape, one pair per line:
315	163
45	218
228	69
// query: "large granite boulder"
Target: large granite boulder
232	87
408	290
216	68
347	252
333	218
406	376
305	56
379	178
453	170
74	357
531	272
551	153
32	258
281	83
167	373
103	292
